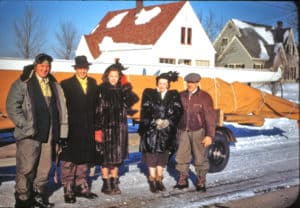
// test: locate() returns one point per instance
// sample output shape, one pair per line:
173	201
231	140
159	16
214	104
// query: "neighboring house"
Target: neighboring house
168	34
248	45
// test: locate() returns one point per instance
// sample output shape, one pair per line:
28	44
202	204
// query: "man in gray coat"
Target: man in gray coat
36	105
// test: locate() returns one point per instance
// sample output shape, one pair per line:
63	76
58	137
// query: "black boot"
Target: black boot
23	203
152	184
115	186
83	191
106	187
200	186
159	184
182	181
69	195
41	201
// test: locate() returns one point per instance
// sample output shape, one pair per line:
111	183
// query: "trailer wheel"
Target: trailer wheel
218	153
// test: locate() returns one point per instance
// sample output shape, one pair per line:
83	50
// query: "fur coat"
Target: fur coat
153	108
113	102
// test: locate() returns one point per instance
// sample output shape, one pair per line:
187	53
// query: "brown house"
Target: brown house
243	44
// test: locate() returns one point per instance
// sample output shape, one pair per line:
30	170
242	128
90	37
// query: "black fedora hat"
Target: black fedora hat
81	62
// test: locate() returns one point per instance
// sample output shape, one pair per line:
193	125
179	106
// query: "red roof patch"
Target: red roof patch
128	32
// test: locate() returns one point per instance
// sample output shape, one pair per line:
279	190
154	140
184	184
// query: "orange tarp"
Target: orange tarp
239	102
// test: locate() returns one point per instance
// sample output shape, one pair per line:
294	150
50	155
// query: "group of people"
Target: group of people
86	124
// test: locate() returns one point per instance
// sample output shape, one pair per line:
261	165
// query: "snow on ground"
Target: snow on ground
252	142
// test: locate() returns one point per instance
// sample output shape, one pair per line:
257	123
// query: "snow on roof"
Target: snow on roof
285	35
116	20
128	28
145	16
108	44
277	46
263	51
265	34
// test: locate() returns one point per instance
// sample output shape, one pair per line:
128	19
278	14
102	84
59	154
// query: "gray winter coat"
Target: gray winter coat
19	109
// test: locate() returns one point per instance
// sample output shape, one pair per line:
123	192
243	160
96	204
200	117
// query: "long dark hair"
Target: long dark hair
117	66
106	73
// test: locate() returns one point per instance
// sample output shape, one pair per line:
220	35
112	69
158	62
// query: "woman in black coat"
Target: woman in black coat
161	111
114	100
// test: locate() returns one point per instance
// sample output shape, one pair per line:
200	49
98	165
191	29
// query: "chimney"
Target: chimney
279	24
139	6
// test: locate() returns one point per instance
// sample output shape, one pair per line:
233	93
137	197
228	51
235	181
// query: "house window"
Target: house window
224	42
167	61
258	66
240	66
189	36
183	35
185	61
186	36
202	63
234	65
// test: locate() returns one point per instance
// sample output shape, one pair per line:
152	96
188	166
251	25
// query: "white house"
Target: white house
168	33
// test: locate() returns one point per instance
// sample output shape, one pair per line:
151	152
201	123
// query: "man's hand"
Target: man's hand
207	141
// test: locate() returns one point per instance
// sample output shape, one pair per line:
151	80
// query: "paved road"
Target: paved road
253	176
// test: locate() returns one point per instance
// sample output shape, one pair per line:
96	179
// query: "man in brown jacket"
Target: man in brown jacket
196	131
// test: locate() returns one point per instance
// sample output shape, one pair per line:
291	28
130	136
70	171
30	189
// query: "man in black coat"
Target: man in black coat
80	92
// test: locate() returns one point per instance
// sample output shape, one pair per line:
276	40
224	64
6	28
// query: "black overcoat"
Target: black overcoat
81	116
113	102
153	107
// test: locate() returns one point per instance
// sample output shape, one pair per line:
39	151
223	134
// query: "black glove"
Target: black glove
63	143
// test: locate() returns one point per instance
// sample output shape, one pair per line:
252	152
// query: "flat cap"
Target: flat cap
192	77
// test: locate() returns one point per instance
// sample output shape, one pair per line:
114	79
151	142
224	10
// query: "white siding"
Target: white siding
169	45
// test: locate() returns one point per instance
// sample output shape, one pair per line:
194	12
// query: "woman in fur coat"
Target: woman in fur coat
114	100
161	111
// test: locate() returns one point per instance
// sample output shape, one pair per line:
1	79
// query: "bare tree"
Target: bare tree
67	39
211	24
29	33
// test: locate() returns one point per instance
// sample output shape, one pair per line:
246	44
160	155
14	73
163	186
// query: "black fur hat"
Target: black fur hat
171	76
117	65
40	58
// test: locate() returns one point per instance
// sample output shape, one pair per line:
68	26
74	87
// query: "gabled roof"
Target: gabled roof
127	31
260	39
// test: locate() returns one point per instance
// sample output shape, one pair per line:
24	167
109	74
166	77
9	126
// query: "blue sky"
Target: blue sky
85	15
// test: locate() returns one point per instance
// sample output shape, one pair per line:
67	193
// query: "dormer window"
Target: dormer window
186	36
224	42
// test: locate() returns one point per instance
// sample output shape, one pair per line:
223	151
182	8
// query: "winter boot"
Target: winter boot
41	200
200	186
83	191
23	203
115	186
182	181
152	184
69	195
106	187
159	184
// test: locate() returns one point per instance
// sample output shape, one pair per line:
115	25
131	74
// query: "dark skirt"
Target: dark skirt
155	159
